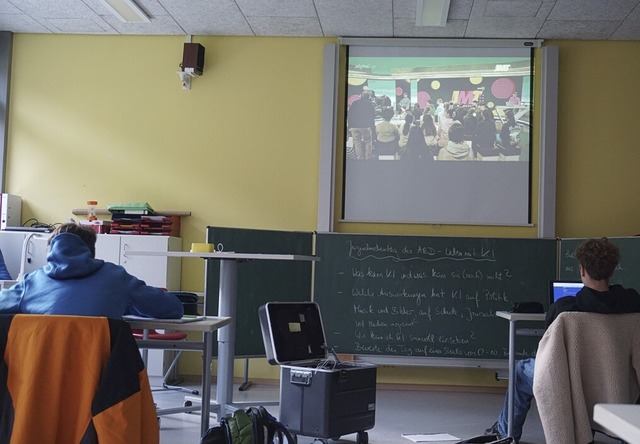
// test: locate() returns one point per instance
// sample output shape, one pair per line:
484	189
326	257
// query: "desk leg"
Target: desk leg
510	389
145	351
207	355
227	334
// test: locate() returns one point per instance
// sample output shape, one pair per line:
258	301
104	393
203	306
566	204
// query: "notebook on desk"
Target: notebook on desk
561	289
182	320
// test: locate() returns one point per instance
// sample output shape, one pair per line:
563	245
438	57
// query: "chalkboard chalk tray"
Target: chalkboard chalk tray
428	297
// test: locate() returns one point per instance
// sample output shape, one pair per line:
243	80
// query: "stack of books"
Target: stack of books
140	218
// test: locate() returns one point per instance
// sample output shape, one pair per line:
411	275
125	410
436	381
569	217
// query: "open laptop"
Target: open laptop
561	289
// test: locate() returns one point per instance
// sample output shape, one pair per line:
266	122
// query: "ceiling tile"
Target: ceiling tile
277	8
208	17
362	18
153	8
630	27
80	26
504	8
21	23
460	10
54	8
159	25
594	10
571	29
504	27
285	26
405	9
8	8
408	28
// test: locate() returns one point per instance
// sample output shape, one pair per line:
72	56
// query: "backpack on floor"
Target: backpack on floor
215	435
266	427
253	426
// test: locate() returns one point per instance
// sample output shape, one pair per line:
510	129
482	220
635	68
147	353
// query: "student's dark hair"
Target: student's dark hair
598	257
387	113
487	114
416	140
408	121
86	234
456	132
428	125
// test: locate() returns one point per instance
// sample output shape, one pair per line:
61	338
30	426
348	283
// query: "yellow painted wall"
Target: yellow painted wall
105	118
598	148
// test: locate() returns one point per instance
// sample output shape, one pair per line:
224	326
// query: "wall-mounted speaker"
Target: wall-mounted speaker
193	58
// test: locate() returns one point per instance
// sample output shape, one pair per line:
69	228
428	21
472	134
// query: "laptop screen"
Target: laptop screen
561	289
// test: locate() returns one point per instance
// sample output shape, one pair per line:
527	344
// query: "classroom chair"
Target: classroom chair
72	379
584	359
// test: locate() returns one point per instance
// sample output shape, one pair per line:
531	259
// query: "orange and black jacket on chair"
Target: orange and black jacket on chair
73	379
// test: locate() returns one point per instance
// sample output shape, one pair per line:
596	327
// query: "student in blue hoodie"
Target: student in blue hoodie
74	282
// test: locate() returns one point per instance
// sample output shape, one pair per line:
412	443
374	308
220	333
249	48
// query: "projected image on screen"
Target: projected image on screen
414	113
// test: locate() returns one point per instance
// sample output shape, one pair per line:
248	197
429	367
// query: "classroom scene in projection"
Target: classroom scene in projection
467	108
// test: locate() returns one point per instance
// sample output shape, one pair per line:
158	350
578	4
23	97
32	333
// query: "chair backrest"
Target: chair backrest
73	379
584	359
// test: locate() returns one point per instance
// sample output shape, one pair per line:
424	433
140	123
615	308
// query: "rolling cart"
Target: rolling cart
320	396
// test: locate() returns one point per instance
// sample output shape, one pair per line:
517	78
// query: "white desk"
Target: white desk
227	305
621	419
207	327
513	318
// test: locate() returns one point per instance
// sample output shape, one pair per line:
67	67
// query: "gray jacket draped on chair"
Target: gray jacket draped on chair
584	359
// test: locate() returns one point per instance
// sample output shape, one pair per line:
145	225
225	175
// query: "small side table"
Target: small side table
513	332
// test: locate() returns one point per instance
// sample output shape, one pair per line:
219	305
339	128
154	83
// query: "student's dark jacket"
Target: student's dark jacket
616	300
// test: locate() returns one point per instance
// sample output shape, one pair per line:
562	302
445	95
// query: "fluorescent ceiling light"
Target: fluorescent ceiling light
126	10
432	12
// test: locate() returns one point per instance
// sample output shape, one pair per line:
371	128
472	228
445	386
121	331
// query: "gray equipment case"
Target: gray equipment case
320	396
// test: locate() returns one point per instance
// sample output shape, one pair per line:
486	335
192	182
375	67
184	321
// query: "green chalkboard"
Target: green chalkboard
628	272
428	297
260	281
